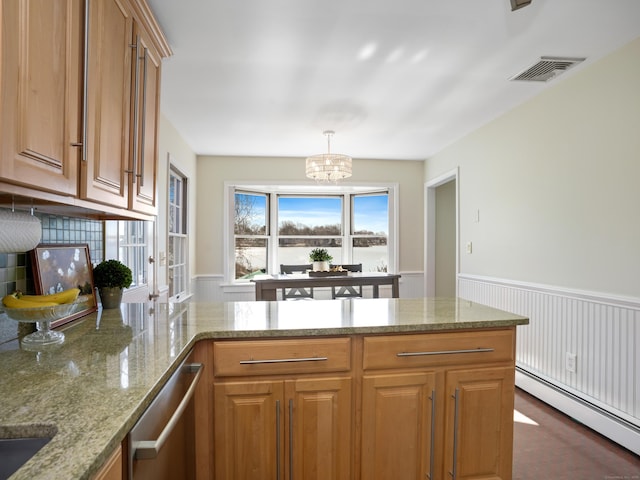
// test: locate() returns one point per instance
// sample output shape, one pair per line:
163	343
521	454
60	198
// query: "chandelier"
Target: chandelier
328	167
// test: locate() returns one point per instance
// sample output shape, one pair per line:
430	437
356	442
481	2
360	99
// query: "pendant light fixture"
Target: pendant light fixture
328	167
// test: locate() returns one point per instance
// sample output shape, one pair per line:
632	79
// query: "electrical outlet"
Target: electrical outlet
571	362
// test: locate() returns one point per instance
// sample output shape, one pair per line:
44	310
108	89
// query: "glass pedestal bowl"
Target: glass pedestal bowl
42	317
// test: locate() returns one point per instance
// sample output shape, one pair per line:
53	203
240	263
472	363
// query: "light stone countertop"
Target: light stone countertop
91	390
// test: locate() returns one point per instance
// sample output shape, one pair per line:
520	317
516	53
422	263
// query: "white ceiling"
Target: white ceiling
397	79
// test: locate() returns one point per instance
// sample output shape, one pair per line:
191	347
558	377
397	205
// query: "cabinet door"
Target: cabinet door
248	426
104	176
397	426
41	61
479	423
319	421
112	469
144	151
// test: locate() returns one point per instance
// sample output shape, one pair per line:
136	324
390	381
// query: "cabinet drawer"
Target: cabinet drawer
404	351
268	357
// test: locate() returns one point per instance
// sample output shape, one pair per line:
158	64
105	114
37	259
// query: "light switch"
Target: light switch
469	247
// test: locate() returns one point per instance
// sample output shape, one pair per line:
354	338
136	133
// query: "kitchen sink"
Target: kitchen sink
15	452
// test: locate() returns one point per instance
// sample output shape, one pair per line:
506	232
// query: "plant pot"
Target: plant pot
321	266
110	297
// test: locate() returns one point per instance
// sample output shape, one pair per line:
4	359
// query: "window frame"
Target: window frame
272	190
182	235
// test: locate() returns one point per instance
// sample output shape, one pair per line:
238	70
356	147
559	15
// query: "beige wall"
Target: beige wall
556	182
171	143
214	171
445	240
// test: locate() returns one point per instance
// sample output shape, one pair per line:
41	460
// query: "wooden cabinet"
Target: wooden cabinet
113	467
479	423
142	181
435	406
283	409
40	78
104	175
122	110
438	406
80	106
398	425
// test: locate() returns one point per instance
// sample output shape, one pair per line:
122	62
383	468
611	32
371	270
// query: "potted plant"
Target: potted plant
110	277
321	259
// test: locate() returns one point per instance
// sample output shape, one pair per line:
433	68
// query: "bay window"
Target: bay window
273	225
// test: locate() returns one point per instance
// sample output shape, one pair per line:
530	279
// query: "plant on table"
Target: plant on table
320	258
110	277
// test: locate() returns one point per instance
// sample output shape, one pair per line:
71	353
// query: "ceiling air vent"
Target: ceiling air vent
547	68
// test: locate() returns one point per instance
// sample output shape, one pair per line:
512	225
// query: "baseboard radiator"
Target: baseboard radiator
578	353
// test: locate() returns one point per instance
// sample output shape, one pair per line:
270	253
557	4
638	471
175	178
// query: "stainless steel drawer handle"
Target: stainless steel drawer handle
444	352
284	360
146	449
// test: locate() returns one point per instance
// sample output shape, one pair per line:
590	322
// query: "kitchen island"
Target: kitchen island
89	391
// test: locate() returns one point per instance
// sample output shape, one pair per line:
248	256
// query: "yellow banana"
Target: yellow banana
66	296
12	301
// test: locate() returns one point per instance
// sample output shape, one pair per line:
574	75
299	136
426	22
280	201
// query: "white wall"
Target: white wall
556	185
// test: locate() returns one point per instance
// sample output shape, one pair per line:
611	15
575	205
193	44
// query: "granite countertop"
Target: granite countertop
90	390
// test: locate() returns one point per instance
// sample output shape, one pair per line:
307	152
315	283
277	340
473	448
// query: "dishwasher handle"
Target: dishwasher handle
147	449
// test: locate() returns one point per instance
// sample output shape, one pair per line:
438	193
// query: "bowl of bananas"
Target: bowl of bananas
42	310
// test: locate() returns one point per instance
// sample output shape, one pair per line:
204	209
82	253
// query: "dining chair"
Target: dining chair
348	291
296	293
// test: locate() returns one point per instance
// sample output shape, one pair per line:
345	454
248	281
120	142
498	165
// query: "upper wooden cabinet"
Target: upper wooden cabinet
104	168
122	109
41	83
145	144
80	86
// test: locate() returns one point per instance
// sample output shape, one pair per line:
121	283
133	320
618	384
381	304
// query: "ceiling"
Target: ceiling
395	79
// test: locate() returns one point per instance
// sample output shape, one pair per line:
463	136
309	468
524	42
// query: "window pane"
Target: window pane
370	232
250	214
178	240
295	251
250	256
177	264
371	215
309	216
132	249
373	256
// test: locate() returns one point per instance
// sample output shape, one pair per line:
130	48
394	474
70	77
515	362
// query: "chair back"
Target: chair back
296	293
353	267
348	291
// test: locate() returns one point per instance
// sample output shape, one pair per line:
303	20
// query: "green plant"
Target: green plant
320	255
112	273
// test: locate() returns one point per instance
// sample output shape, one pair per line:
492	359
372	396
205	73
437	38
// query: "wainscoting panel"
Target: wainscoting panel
580	343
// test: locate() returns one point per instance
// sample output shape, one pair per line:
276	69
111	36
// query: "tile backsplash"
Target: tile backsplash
15	268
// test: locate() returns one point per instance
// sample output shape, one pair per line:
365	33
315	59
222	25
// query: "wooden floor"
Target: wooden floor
559	448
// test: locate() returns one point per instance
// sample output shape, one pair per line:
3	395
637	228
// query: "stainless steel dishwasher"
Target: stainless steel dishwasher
162	442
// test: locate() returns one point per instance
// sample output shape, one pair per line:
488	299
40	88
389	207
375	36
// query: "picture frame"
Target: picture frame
58	267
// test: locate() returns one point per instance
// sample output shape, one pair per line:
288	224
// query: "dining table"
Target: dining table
267	285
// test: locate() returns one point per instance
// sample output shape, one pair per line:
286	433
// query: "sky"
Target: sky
371	211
